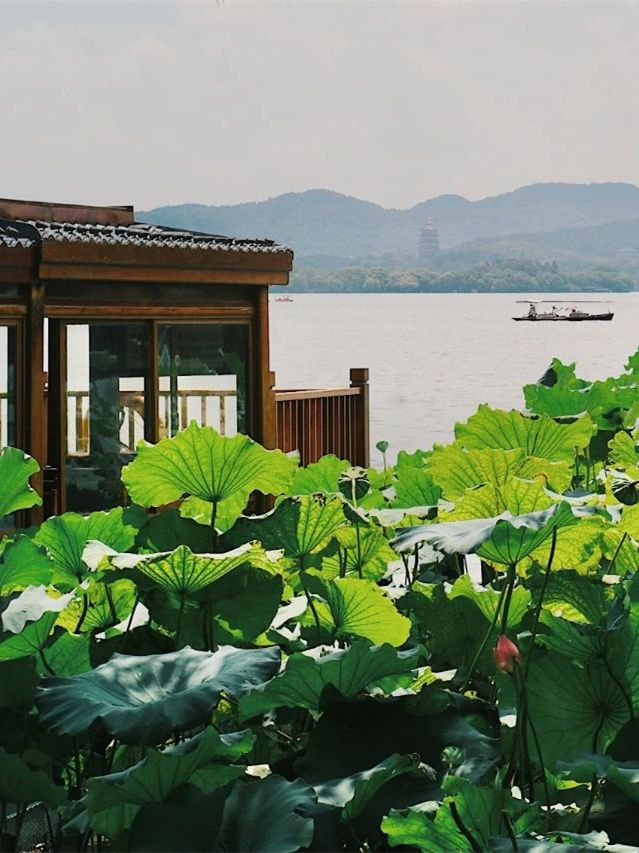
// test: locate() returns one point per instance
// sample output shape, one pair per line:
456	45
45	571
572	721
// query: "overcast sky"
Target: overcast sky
164	101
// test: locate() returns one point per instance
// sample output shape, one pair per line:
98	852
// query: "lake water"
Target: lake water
434	358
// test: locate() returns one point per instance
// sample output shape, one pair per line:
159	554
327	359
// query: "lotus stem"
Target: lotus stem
484	642
617	550
542	593
510	585
462	828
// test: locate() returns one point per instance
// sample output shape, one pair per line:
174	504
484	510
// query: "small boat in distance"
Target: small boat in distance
283	299
563	311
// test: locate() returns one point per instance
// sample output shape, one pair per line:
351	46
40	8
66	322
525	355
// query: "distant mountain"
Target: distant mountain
325	223
615	243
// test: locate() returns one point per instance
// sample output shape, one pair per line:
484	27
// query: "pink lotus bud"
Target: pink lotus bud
505	654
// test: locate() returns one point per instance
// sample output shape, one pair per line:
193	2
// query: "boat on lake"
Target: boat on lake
562	311
283	299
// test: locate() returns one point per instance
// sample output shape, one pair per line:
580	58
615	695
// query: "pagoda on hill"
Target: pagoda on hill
428	241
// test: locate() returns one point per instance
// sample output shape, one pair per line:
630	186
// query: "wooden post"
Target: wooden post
359	379
35	414
265	422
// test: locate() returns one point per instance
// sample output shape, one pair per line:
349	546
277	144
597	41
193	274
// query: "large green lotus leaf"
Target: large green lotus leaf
541	437
15	492
270	816
217	471
65	537
557	401
353	793
577	598
112	801
578	546
369	556
504	539
20	784
99	605
30	605
182	571
244	604
415	488
481	811
514	495
321	476
623	451
22	565
574	709
168	529
456	470
31	640
65	655
359	608
145	699
300	526
348	670
562	375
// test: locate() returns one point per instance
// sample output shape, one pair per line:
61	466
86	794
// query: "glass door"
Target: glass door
8	384
106	408
202	370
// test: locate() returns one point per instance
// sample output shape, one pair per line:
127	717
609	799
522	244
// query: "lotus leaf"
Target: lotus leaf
300	526
22	565
216	474
65	537
30	605
415	488
113	801
16	468
20	784
539	437
367	554
305	677
145	699
322	476
182	571
359	608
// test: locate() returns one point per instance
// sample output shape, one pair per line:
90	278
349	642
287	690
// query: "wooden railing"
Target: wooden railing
327	420
131	405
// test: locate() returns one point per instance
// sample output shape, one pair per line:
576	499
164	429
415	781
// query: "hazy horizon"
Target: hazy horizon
158	102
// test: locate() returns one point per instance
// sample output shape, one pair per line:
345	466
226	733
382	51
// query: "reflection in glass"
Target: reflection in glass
107	377
8	433
202	375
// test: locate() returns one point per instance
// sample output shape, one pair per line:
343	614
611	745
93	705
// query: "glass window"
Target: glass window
8	431
108	370
203	376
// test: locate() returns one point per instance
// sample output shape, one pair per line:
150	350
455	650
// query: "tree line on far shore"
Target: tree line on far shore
500	276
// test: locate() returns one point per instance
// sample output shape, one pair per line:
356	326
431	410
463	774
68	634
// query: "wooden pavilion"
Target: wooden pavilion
113	331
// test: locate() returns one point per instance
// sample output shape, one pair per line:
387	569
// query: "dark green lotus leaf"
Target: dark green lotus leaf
480	810
577	598
321	476
270	816
353	607
300	526
65	537
30	605
113	801
305	677
20	784
31	640
415	488
145	699
353	793
505	539
245	608
65	655
16	468
168	529
573	708
22	565
182	571
18	682
215	473
541	437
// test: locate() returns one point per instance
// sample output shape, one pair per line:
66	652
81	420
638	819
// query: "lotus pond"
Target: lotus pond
441	655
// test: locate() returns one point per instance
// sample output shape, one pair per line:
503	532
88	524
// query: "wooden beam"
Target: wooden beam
160	275
35	401
46	211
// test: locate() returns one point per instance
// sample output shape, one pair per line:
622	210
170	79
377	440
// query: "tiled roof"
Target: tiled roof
136	234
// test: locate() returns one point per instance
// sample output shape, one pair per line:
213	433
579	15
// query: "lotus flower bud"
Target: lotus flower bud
505	654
